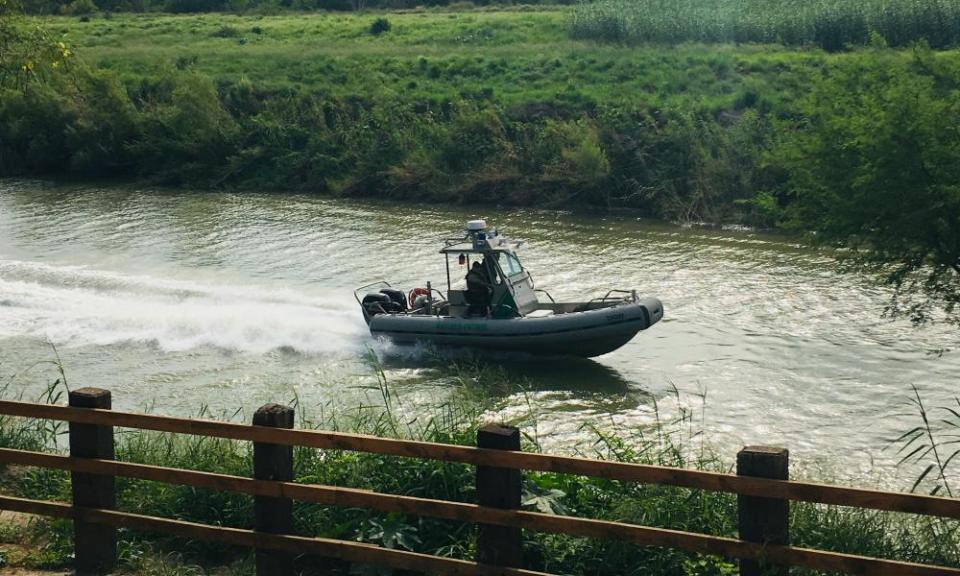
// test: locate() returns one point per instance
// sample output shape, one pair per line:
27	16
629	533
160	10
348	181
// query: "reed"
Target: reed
933	445
829	24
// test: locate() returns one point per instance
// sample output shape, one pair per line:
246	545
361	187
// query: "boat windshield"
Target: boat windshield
509	264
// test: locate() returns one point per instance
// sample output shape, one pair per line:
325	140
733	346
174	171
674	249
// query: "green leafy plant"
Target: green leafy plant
933	444
379	26
709	566
545	500
393	532
226	32
873	167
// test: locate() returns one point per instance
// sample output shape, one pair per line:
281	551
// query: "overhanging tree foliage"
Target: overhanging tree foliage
874	167
26	51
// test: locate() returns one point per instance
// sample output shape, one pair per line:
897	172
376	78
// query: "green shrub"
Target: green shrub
581	157
226	32
873	166
78	8
379	26
32	131
185	133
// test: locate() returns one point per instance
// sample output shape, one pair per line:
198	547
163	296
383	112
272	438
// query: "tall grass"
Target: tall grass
674	443
933	443
830	24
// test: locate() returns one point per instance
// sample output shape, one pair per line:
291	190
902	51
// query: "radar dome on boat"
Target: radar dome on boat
476	225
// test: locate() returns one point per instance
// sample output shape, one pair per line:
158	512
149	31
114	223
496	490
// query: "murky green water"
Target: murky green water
177	300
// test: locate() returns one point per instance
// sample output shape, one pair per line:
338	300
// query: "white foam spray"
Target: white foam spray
77	306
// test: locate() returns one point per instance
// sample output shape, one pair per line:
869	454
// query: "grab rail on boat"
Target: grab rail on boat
545	292
447	242
365	286
630	295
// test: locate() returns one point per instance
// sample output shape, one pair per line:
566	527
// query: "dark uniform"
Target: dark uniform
479	290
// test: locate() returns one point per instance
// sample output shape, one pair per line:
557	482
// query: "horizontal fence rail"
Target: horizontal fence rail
341	549
500	524
463	512
628	472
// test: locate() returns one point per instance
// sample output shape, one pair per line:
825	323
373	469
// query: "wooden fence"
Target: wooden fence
761	483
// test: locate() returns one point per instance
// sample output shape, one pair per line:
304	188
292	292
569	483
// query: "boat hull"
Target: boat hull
587	334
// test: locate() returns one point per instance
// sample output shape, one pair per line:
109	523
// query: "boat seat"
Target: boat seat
456	298
542	313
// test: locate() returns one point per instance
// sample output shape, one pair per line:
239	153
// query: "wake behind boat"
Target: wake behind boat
499	309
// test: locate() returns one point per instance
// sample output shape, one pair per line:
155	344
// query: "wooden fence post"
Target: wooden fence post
499	488
273	515
763	520
95	545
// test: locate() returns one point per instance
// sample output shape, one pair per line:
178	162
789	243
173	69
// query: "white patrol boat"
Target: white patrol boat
510	317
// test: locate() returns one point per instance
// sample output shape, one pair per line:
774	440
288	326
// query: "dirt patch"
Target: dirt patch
12	527
16	571
15	519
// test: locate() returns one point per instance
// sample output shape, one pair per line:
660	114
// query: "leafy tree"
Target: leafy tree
185	134
26	51
874	167
78	8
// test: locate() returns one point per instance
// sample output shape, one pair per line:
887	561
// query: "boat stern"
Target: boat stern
653	309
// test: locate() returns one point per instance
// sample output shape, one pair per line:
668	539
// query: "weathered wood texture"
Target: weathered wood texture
272	514
95	545
341	549
765	521
802	557
499	488
770	552
798	491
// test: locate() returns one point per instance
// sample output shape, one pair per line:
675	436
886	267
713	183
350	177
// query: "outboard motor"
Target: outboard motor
397	297
377	303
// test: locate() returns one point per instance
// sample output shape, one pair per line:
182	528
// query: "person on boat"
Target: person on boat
479	290
485	269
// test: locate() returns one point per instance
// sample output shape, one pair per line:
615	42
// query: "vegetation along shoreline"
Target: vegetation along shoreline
487	106
47	543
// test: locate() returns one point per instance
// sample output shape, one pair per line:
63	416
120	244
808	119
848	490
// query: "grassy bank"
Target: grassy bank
668	443
479	106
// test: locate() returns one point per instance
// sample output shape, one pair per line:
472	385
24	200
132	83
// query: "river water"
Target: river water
177	301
